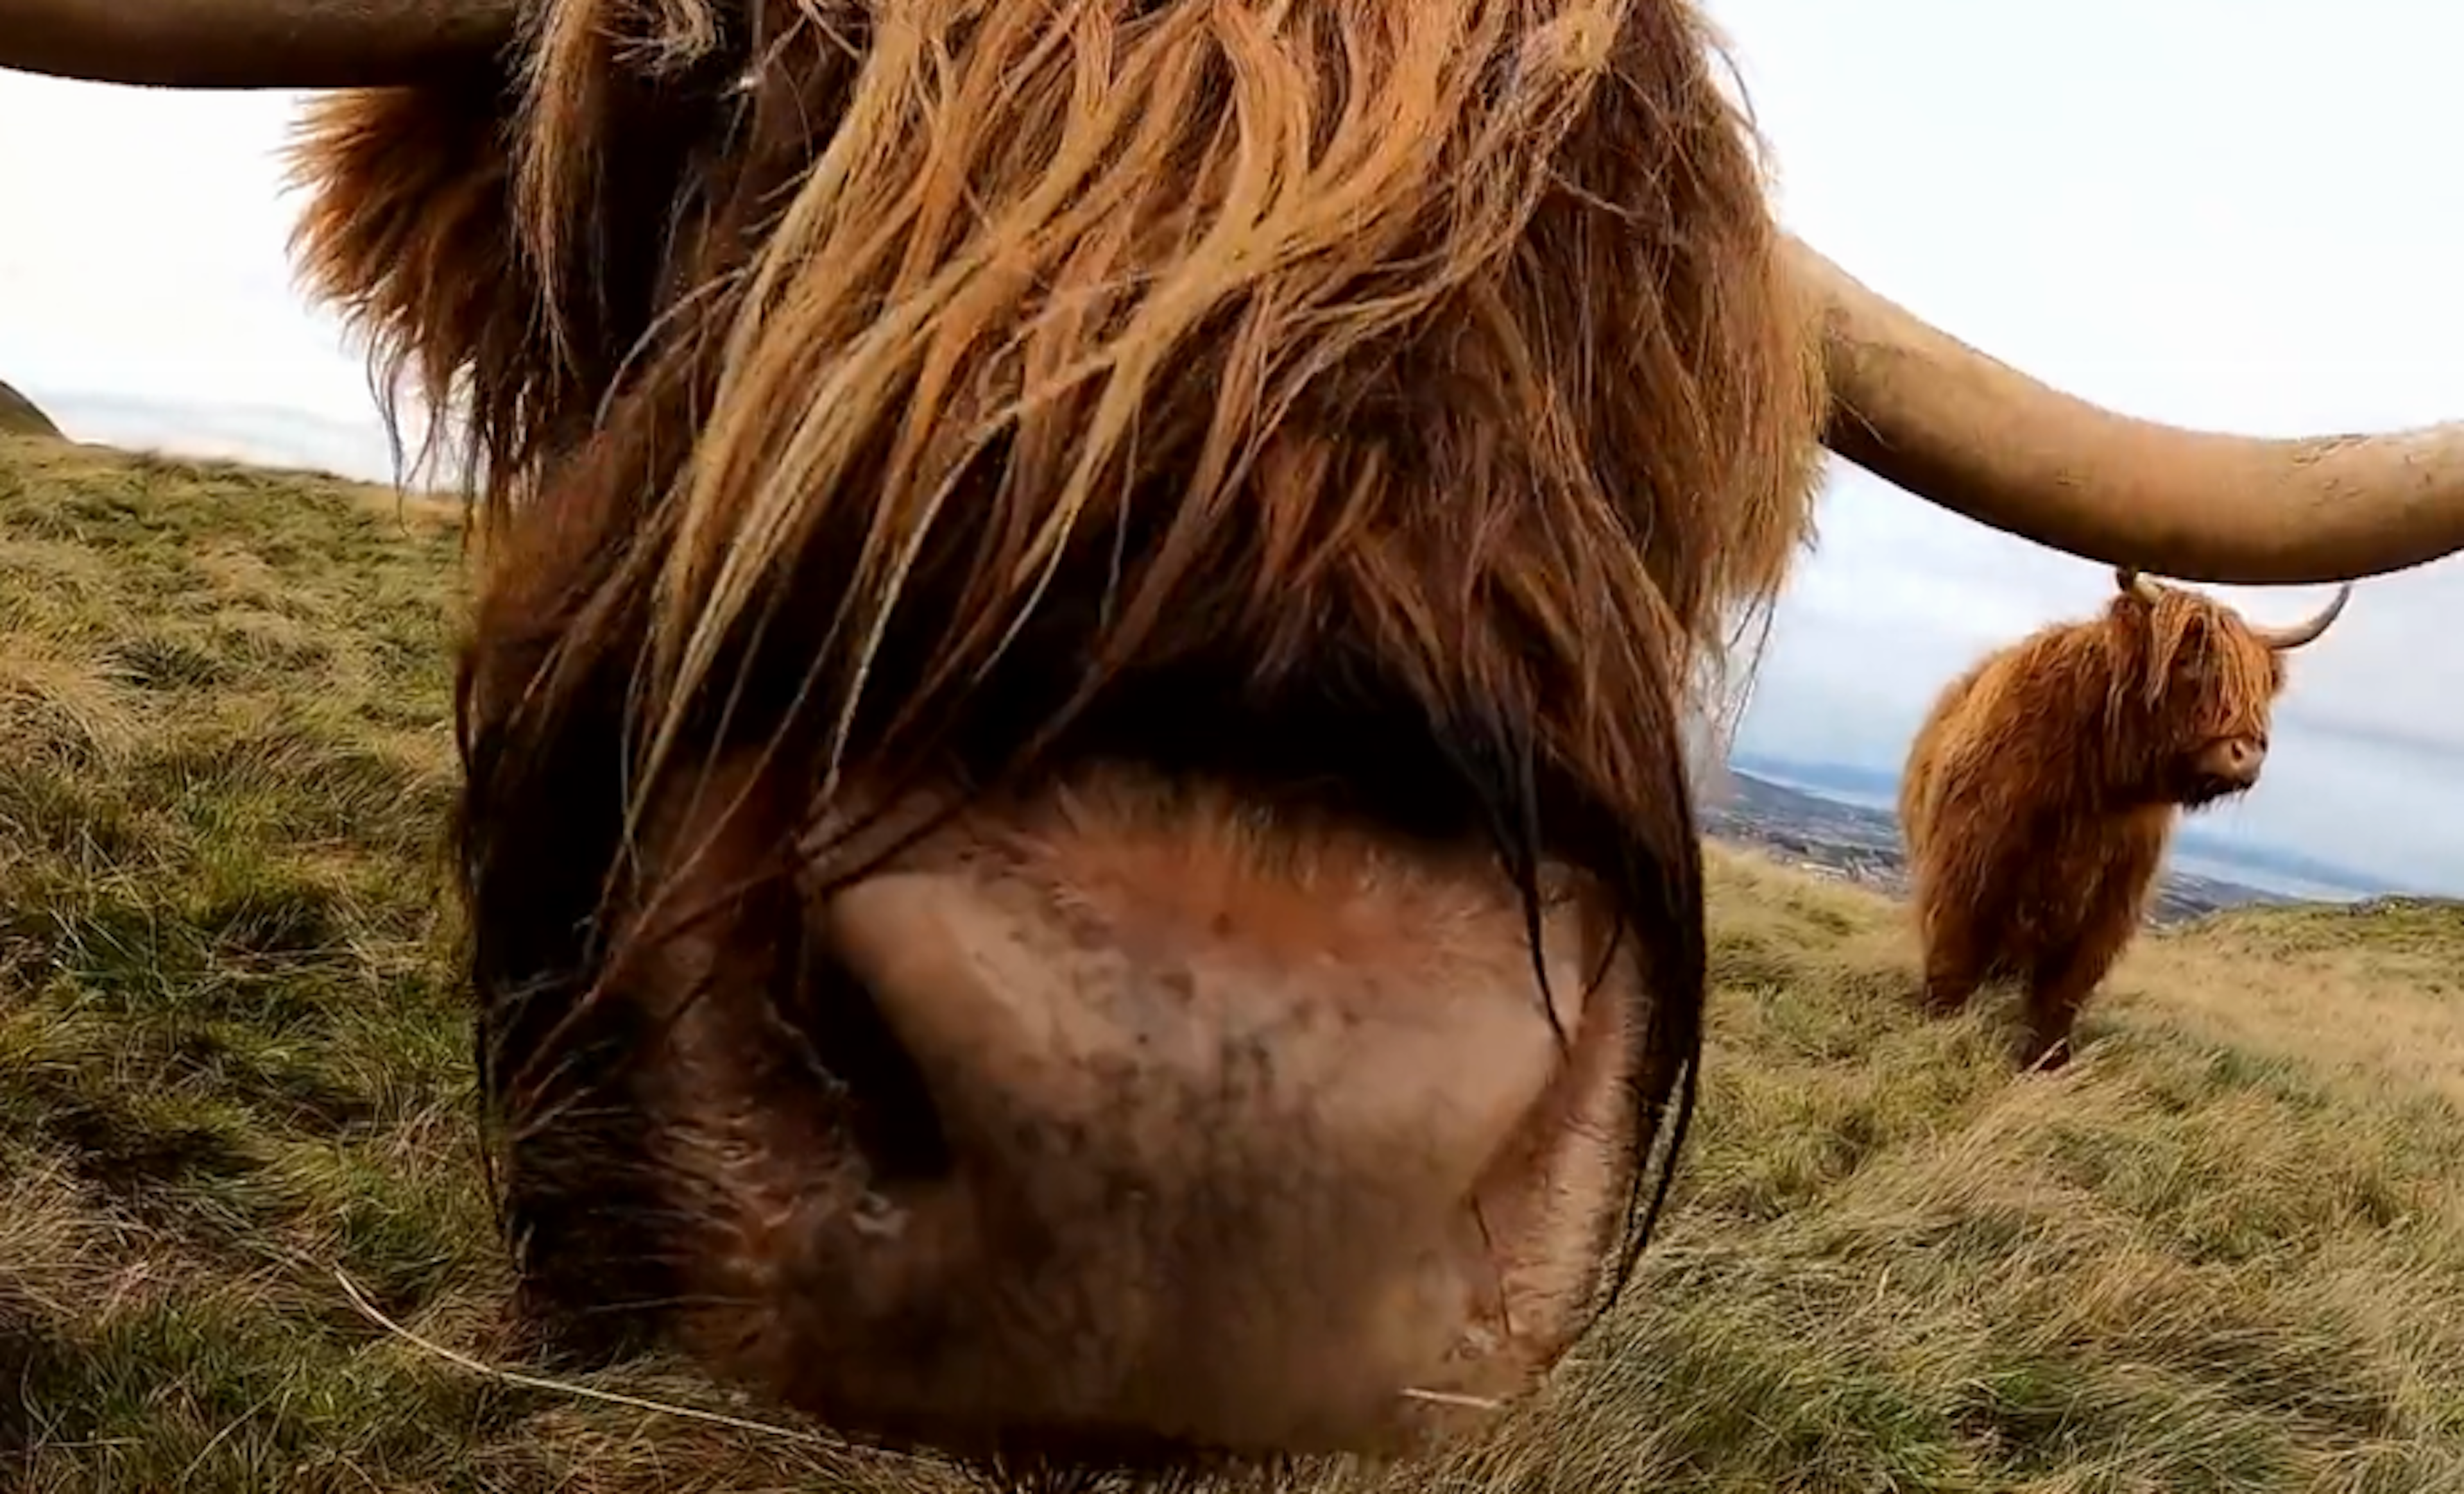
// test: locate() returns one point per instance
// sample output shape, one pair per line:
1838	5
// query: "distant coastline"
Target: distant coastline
2267	868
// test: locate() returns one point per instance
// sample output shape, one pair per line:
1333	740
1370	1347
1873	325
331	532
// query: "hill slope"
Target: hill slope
2221	1252
20	416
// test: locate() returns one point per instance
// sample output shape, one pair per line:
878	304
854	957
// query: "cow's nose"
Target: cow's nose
1218	1175
2237	759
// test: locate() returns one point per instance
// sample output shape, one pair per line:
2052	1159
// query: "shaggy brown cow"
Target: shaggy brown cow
1075	830
2045	783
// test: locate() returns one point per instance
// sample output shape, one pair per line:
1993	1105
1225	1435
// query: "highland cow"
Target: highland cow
1075	832
2044	785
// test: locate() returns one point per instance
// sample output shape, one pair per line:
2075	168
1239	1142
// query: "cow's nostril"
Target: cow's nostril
888	1109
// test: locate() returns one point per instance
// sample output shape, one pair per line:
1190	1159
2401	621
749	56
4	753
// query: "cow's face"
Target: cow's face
1107	871
2198	685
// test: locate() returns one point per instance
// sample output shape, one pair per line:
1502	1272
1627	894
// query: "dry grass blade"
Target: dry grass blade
374	1314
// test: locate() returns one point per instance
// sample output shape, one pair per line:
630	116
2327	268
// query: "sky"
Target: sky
2241	215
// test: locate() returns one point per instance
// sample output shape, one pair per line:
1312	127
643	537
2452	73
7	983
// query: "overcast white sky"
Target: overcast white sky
2240	213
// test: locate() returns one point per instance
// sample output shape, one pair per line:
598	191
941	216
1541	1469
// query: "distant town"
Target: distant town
1836	821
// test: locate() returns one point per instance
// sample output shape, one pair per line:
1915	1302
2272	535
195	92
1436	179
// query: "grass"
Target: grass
2222	1251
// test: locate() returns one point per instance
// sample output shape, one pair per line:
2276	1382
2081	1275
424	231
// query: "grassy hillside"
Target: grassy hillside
20	416
2224	1251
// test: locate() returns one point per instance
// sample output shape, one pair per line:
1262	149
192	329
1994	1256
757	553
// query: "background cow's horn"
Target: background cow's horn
250	43
1919	407
2308	630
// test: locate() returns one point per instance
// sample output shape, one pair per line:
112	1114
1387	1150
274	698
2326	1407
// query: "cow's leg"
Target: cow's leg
1960	946
1952	974
2053	1001
2060	986
2063	981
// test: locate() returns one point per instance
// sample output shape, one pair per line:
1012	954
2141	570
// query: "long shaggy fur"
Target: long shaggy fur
2043	786
1400	389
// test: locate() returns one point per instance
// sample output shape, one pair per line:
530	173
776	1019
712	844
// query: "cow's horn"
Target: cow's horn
2309	629
1917	406
252	43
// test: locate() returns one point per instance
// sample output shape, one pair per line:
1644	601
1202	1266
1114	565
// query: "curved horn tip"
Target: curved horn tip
2130	579
2309	631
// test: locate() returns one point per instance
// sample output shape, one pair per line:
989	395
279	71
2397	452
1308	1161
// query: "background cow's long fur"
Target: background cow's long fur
2043	785
1399	392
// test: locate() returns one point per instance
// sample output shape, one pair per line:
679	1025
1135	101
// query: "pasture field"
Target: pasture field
2223	1251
